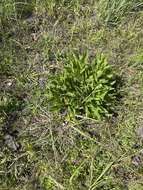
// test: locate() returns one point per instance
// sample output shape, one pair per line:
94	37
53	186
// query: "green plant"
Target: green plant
8	103
111	11
137	60
7	9
83	88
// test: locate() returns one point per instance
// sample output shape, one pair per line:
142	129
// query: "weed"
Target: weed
83	88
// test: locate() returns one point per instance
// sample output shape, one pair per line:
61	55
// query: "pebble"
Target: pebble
139	132
10	142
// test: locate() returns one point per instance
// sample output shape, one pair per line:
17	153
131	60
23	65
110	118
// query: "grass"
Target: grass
111	12
41	149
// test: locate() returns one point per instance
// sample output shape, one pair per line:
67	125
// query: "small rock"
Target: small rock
42	82
136	160
10	142
30	19
139	132
141	151
9	83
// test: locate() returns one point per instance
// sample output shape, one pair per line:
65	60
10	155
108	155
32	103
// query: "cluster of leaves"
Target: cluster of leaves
83	88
